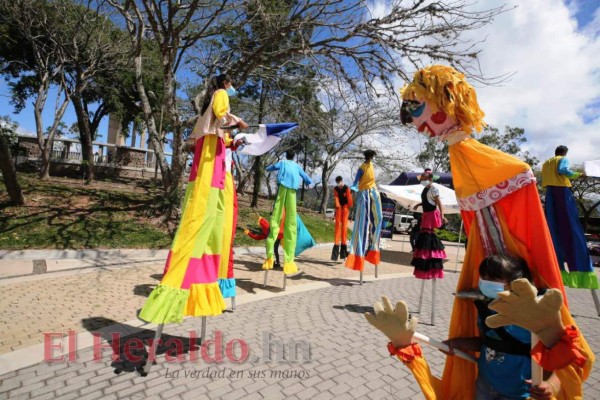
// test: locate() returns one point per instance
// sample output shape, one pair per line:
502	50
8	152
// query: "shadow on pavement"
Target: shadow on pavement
128	354
355	308
251	286
396	257
331	281
143	290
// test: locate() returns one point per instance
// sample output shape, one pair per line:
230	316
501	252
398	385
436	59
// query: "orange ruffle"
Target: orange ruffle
565	352
406	354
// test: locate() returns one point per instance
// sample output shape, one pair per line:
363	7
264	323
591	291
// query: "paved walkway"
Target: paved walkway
338	354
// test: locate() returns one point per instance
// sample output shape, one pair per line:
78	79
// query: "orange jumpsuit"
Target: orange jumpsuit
343	202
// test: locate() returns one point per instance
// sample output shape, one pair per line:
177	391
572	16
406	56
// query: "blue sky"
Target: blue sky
552	46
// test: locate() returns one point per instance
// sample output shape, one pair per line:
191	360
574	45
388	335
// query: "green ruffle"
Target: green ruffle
580	280
165	305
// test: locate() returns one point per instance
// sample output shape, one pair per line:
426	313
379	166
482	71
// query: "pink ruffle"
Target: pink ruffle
432	273
428	254
431	220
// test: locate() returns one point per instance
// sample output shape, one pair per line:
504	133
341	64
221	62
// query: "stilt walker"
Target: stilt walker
289	177
189	286
368	215
563	221
502	215
429	253
342	196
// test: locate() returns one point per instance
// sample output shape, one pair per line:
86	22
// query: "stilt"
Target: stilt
153	347
376	271
203	330
361	278
284	280
596	301
458	248
421	295
266	275
233	303
433	302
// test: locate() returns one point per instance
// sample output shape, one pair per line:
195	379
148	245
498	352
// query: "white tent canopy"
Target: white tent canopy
409	195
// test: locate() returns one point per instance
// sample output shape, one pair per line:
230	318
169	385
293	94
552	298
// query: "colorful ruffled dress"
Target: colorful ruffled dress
566	230
366	233
429	253
190	285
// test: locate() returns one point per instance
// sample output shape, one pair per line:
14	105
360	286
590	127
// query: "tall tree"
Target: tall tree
8	131
175	26
31	62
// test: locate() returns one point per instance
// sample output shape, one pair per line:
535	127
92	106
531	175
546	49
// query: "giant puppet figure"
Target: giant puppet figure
190	282
503	215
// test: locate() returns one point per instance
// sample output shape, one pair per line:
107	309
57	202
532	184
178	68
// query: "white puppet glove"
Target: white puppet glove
394	323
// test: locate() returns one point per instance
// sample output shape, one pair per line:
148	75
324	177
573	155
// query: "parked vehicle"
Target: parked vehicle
402	223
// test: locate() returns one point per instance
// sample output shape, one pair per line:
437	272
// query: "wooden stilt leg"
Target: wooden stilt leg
361	277
284	280
233	303
376	271
433	302
596	301
203	330
153	347
421	295
266	275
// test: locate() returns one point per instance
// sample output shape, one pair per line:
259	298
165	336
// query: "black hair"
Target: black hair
561	151
504	267
290	154
338	179
427	170
426	175
369	154
215	83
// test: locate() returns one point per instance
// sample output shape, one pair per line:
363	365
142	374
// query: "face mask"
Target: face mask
425	183
231	92
490	289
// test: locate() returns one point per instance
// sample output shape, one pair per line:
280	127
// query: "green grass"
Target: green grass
64	214
448	236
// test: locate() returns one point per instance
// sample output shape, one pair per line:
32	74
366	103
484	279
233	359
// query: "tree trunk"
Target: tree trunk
9	173
324	180
85	137
257	171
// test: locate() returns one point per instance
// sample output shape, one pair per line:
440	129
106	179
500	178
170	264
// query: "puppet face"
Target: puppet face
422	116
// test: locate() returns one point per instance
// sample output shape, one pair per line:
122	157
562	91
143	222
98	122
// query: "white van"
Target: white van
402	223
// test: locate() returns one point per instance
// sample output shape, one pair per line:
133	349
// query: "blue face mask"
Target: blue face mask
231	92
490	289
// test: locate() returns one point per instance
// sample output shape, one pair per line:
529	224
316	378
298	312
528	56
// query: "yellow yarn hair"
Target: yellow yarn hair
448	90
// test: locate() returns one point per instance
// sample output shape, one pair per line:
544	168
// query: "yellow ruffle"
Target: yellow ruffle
290	268
268	264
205	299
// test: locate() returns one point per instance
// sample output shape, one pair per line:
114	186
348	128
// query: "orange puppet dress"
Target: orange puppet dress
342	196
502	213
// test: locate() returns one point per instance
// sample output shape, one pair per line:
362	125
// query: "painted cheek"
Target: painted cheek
439	117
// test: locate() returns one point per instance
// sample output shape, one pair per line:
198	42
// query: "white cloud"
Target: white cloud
556	81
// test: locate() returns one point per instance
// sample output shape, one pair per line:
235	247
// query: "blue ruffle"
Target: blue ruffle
227	287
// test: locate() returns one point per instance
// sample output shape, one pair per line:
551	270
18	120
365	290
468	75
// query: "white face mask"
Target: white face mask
425	183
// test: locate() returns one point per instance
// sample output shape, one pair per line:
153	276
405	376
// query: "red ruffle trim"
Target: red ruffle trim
405	354
561	354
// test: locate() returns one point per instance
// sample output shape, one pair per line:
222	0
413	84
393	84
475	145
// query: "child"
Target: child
504	361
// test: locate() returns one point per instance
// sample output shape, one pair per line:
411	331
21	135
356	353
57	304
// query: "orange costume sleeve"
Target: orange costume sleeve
412	357
336	199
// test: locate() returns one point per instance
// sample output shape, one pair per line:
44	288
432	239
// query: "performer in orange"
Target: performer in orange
502	215
342	196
